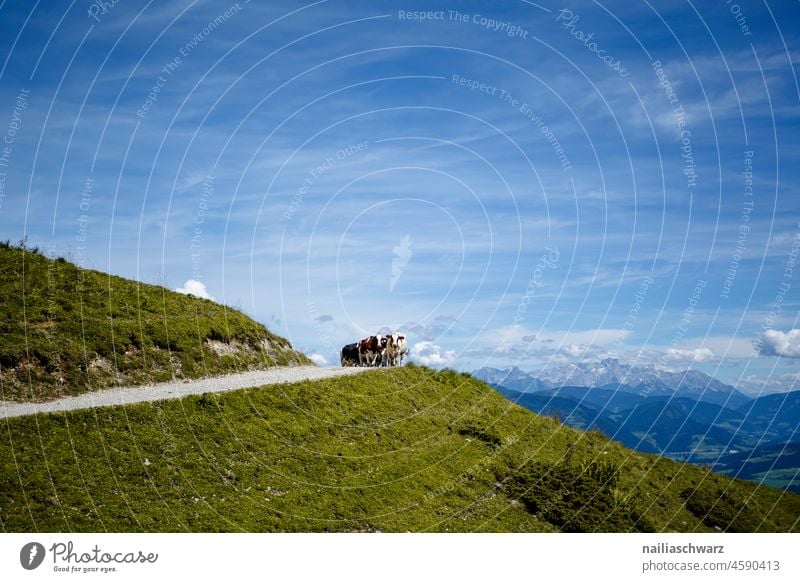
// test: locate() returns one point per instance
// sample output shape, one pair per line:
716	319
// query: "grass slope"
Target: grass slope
66	330
403	449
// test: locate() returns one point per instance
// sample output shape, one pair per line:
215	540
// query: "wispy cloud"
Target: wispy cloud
435	224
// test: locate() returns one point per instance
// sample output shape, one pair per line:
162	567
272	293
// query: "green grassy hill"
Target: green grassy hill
66	330
405	449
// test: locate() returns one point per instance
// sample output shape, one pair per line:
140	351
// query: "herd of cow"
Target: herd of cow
376	350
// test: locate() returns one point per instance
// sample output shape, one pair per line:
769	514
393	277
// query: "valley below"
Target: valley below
685	417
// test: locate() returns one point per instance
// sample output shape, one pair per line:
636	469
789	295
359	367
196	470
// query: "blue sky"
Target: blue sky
513	183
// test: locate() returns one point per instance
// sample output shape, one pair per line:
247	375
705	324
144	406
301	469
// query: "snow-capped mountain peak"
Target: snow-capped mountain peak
647	380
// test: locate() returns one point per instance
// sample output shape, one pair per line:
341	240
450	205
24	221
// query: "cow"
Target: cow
349	355
370	350
382	360
396	348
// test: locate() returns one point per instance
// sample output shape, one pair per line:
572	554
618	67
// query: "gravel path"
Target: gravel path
172	390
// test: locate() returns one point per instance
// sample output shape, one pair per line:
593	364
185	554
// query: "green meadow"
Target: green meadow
407	449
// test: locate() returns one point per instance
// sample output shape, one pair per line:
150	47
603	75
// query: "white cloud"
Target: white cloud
677	355
730	347
757	385
196	288
583	351
430	354
574	350
516	343
318	359
669	358
430	329
509	335
779	343
190	180
402	253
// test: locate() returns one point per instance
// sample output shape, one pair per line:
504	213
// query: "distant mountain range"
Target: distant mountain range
644	380
683	415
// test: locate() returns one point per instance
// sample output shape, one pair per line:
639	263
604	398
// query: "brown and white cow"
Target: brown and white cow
370	350
396	348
